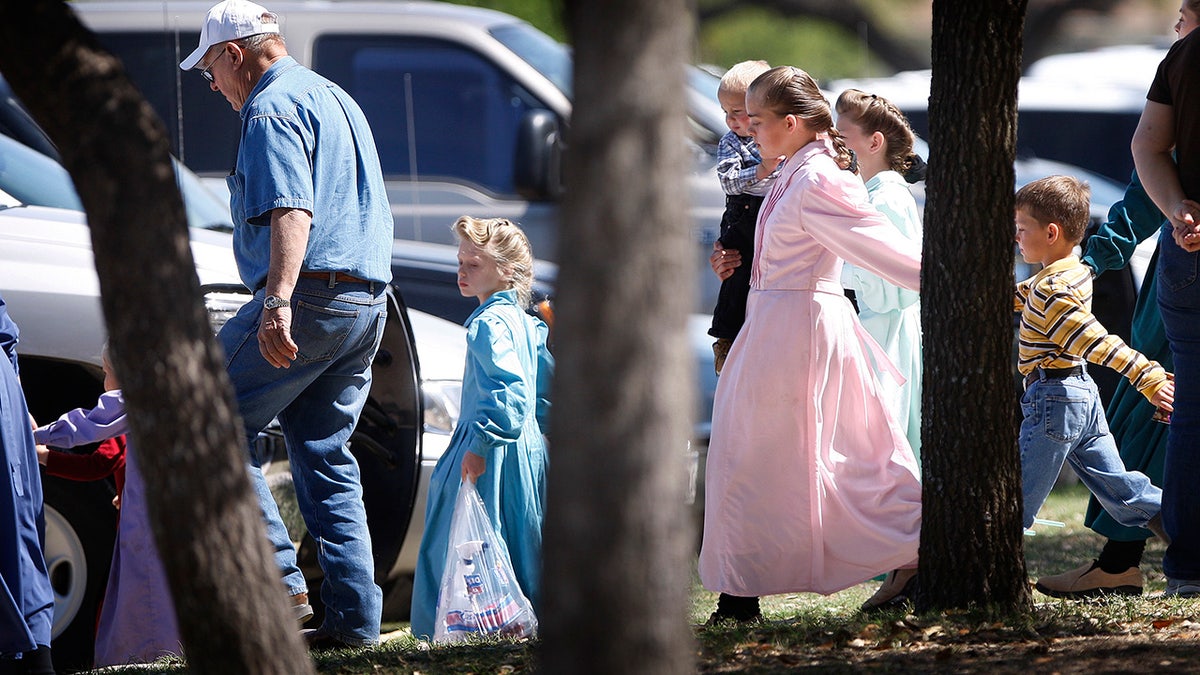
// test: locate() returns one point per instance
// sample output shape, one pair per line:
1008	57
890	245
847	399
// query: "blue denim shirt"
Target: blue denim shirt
306	144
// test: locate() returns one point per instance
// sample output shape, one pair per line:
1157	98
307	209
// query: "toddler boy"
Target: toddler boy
746	180
1063	416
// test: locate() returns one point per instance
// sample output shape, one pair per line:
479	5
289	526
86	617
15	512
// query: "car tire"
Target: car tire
81	527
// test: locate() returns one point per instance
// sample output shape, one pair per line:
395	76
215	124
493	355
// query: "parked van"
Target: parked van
469	107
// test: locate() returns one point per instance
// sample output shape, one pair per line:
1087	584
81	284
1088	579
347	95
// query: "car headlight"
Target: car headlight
442	399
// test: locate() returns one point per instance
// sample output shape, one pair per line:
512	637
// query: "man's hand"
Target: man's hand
275	337
724	260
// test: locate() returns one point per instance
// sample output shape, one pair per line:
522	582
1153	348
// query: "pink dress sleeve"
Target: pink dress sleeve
837	212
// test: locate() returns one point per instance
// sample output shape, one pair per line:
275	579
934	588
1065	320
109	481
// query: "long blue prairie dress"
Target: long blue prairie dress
26	598
505	402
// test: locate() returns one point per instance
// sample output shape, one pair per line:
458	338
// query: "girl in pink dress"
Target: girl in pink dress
811	484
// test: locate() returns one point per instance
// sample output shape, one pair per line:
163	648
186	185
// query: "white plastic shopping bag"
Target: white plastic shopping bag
479	594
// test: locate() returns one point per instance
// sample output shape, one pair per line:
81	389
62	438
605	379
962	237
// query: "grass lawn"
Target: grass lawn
828	634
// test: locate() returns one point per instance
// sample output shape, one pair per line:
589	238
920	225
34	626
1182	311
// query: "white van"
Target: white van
469	107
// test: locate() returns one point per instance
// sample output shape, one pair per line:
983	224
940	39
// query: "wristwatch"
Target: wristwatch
275	302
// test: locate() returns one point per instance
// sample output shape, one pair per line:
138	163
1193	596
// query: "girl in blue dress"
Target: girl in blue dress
882	140
499	441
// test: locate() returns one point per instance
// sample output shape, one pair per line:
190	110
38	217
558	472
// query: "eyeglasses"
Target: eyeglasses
207	75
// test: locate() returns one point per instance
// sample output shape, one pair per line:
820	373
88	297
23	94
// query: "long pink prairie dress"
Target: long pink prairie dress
810	484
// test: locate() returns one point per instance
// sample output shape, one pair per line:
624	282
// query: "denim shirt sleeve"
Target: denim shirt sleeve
277	170
1130	222
503	398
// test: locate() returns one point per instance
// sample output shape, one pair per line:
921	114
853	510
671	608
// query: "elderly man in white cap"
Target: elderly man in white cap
312	238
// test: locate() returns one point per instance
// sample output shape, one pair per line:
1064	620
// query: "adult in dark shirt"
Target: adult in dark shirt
1170	123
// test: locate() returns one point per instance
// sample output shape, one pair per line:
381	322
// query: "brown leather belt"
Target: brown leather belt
1052	374
332	277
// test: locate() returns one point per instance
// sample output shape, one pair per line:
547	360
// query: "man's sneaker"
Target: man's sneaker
898	587
300	606
317	639
1182	588
1089	581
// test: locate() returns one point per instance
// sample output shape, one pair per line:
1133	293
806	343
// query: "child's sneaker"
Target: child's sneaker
720	351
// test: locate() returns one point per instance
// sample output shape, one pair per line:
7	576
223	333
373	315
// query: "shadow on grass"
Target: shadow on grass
821	634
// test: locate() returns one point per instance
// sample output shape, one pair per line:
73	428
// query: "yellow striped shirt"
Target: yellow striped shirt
1058	329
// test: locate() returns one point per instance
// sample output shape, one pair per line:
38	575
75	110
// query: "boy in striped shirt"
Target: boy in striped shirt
1063	416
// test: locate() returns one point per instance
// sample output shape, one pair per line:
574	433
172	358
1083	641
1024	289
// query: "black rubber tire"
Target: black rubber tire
87	508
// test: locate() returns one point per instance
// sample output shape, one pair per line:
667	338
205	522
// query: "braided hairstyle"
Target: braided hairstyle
874	113
787	90
506	244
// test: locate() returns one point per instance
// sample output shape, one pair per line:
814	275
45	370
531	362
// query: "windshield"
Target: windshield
204	208
34	178
37	180
551	59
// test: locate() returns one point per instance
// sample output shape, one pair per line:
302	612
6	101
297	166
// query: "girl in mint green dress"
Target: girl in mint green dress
882	141
499	440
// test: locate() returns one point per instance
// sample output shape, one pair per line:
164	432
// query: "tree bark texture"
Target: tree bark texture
971	472
232	612
617	539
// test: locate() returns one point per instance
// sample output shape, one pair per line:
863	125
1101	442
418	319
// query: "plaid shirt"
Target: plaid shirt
737	166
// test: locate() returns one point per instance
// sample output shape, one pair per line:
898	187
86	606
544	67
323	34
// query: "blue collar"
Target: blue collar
505	297
278	68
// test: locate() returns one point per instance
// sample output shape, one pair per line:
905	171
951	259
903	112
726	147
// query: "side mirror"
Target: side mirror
538	171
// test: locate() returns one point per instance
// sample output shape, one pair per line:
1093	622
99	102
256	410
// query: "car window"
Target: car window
550	58
203	128
30	177
437	109
34	178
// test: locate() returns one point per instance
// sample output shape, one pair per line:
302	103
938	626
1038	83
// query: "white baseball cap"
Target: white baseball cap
231	20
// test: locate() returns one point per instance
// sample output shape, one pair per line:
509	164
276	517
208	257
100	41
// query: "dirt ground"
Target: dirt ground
907	646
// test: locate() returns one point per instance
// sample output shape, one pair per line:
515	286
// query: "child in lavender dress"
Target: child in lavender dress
137	620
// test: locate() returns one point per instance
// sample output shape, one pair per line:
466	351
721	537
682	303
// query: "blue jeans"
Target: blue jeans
1064	421
1179	302
317	400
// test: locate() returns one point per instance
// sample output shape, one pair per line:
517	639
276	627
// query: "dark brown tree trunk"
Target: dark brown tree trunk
207	524
972	474
616	547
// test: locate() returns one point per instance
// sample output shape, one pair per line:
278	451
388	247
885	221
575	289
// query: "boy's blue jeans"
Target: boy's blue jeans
318	401
1179	302
1064	421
